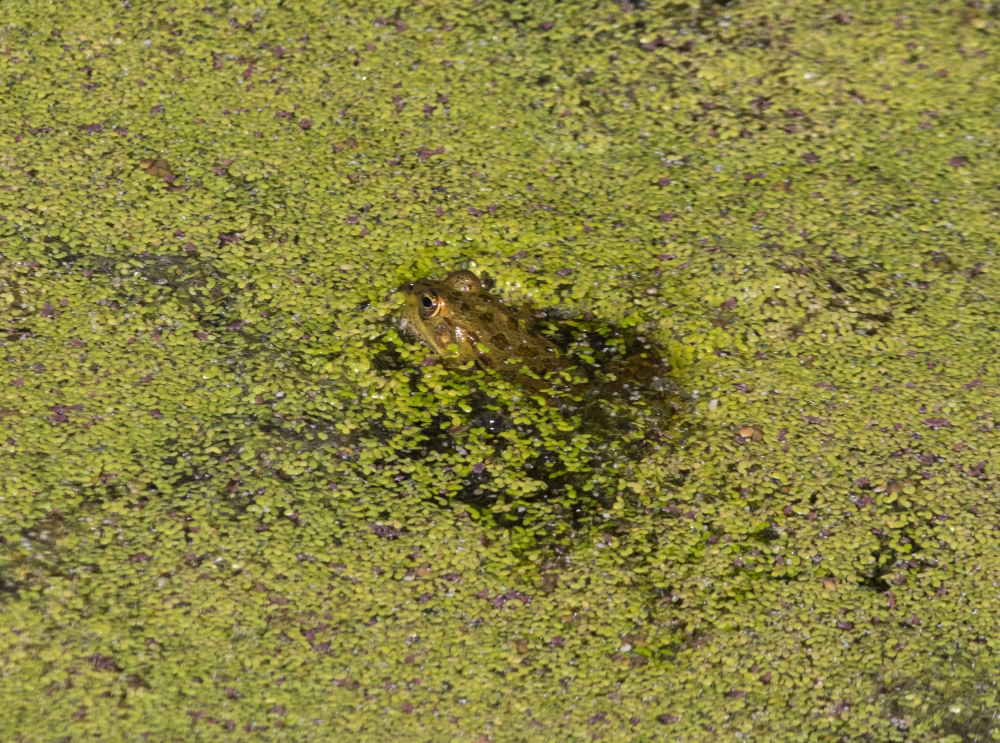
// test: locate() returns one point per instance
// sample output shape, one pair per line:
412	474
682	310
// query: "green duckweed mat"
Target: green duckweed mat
238	505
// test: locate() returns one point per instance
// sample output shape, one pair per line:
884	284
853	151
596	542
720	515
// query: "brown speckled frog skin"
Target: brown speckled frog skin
459	311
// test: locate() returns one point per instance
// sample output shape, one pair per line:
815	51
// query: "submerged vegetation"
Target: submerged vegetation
240	502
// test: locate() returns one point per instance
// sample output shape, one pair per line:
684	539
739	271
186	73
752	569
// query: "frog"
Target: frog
467	326
462	322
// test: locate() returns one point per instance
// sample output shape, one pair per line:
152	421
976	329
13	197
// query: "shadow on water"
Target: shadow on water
609	408
189	277
958	701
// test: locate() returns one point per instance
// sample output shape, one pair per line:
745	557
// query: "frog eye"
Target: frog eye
428	305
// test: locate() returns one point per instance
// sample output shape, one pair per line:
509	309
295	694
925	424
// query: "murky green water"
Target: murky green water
239	503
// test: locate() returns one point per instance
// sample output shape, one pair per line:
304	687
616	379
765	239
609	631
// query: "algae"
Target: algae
238	505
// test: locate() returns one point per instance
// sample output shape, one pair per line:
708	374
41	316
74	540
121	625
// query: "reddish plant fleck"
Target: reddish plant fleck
425	152
386	532
937	422
511	594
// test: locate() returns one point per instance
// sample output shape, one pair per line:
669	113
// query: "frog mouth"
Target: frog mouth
411	329
411	326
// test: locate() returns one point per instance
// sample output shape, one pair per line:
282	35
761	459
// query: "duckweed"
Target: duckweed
237	504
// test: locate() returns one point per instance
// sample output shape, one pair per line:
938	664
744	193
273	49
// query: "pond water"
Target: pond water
756	500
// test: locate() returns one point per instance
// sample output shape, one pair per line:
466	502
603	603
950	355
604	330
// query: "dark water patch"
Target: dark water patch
564	439
196	283
35	554
955	700
571	434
